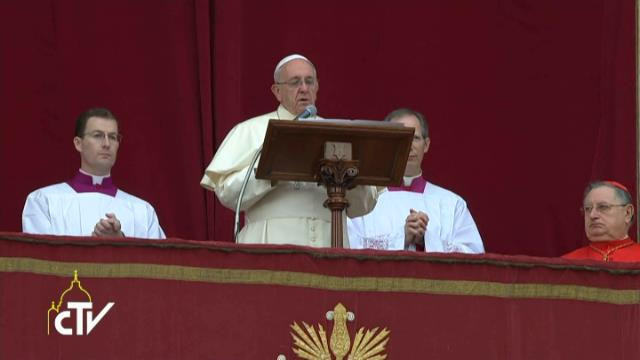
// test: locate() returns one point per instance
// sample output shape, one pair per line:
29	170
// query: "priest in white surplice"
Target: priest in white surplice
285	212
90	204
418	215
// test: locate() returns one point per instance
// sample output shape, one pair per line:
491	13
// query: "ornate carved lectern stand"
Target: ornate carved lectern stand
339	154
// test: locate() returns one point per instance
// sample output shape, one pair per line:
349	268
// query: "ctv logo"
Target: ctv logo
83	310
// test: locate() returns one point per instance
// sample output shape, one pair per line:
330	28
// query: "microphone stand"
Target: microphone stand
236	225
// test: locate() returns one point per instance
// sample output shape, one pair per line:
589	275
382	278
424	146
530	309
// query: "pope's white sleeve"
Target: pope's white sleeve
226	172
362	199
228	187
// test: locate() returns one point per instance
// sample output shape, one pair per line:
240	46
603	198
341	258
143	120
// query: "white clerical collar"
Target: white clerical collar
96	178
409	179
283	113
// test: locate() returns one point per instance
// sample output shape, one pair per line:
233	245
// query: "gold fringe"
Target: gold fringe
323	282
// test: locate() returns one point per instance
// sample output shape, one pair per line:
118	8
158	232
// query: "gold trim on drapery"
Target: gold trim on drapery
320	281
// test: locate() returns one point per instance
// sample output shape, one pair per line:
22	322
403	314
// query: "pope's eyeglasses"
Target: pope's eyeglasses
296	82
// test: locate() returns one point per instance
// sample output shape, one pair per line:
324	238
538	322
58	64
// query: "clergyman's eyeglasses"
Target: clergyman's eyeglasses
99	136
602	208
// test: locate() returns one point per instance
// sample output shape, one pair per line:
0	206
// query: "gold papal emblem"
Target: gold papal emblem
310	344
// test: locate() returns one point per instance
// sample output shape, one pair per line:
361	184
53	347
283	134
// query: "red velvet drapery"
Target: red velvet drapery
527	100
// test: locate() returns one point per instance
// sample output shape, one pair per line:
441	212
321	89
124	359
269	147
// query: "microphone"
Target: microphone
309	111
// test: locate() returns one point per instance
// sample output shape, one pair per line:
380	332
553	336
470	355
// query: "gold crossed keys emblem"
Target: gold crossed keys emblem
310	344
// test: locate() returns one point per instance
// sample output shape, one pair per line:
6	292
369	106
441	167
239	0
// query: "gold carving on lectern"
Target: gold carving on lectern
310	344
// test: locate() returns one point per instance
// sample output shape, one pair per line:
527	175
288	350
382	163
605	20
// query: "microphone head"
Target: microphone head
310	111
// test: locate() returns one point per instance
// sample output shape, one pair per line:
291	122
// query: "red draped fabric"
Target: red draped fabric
527	100
147	61
180	299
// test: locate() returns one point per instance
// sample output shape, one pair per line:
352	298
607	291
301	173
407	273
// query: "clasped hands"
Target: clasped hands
415	227
108	227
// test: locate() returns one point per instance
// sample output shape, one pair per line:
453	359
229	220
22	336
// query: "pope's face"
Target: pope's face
98	147
419	146
605	216
297	86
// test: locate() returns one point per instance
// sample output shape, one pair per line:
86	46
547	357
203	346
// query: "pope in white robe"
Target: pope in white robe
285	212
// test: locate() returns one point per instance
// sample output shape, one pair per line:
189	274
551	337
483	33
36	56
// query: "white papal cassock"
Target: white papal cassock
60	210
450	228
282	213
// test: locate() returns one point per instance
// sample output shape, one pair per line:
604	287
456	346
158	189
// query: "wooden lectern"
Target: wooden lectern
338	154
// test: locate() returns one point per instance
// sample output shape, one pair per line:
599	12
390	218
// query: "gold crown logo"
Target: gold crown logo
313	345
56	308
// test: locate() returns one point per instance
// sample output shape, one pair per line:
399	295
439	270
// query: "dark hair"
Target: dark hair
81	121
401	112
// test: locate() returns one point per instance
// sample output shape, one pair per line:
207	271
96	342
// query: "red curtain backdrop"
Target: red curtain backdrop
527	100
147	61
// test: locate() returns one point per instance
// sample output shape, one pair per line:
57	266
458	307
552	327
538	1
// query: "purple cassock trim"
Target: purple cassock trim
82	183
417	185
